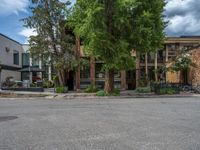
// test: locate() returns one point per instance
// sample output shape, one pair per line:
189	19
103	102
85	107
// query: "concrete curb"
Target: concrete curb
47	95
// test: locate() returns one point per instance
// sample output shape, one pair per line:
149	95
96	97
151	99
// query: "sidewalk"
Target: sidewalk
72	95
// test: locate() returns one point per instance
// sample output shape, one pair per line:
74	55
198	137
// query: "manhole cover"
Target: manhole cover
7	118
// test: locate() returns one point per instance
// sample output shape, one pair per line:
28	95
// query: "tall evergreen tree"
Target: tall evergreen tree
49	20
112	28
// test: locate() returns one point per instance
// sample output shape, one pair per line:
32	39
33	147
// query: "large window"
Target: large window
16	57
35	60
25	59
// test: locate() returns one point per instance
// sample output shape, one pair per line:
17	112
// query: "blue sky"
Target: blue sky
183	17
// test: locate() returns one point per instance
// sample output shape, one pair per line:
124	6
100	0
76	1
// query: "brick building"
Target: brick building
145	65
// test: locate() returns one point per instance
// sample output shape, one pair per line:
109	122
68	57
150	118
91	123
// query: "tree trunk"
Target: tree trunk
156	67
61	77
146	66
109	81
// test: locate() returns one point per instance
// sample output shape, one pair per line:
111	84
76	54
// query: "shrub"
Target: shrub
102	93
116	92
162	91
48	84
143	82
91	89
61	89
171	91
143	90
56	80
33	85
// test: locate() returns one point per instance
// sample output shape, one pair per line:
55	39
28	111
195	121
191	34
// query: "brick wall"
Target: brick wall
195	71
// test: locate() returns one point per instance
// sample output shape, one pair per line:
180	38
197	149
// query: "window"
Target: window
16	57
25	59
98	70
35	60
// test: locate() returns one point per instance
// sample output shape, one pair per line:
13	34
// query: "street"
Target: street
100	124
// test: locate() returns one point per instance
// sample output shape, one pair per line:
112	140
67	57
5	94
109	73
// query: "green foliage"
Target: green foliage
48	84
116	92
183	62
110	29
91	89
166	89
53	40
143	90
148	22
33	85
61	89
143	82
171	91
102	93
162	91
104	37
55	80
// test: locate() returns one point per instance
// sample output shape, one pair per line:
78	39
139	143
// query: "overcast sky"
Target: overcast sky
183	17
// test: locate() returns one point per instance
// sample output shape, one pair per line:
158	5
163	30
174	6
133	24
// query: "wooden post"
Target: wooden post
92	71
146	65
137	69
123	80
156	66
167	56
78	68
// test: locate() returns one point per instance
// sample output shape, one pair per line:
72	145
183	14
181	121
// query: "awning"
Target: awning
32	69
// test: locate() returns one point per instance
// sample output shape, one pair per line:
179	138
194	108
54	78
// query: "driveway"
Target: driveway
109	124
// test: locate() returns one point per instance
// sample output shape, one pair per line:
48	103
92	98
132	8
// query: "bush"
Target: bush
33	85
116	92
91	89
61	89
143	90
102	93
162	91
48	84
143	82
169	89
56	80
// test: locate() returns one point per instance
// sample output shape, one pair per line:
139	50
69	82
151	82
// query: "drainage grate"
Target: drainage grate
7	118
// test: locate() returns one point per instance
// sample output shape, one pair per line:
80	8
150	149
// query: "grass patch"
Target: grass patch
91	89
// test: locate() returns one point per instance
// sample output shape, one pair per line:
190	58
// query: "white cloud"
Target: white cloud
27	33
8	7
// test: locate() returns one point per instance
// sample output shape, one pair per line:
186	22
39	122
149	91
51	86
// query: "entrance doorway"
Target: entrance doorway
70	81
131	79
184	77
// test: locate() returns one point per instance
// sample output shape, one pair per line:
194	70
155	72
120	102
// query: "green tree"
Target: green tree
110	29
149	24
49	20
183	63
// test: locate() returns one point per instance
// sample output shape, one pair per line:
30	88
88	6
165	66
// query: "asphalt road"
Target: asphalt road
113	124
